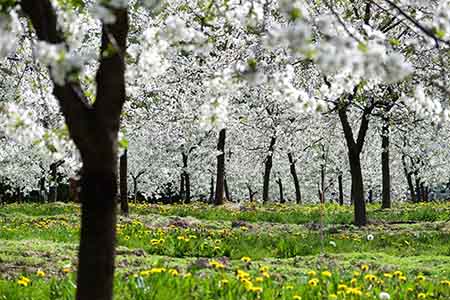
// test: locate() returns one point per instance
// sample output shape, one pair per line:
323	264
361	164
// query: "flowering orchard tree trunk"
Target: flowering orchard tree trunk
227	190
408	176
341	190
267	169
124	183
94	129
186	181
280	186
354	151
385	170
298	195
218	199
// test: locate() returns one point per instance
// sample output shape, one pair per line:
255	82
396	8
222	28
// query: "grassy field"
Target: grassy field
253	252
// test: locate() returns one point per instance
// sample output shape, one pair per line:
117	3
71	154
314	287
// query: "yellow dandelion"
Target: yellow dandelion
312	273
364	268
297	297
40	273
246	259
326	274
421	296
313	282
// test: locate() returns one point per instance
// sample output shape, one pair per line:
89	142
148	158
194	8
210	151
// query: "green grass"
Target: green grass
288	240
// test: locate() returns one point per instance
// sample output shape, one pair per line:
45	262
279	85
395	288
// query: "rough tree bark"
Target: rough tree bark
385	170
218	199
94	130
267	169
298	195
123	174
354	151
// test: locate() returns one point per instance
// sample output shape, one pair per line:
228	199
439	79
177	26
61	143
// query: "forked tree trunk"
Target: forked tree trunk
267	170
124	183
298	195
354	151
385	170
94	129
218	199
341	190
251	193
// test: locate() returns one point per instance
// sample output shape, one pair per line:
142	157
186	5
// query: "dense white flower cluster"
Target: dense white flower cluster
62	63
441	20
426	107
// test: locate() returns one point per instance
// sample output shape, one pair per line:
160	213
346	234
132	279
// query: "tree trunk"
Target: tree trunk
354	151
357	191
135	187
322	183
187	181
182	188
218	200
370	196
385	168
94	129
251	193
227	191
211	191
280	186
409	180
124	183
267	169
341	192
298	195
417	180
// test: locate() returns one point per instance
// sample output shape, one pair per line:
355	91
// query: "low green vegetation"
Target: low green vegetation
235	252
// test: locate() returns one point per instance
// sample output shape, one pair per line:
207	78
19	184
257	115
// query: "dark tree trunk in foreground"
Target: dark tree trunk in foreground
94	130
386	175
341	190
280	186
354	151
218	199
123	174
298	195
267	169
370	196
